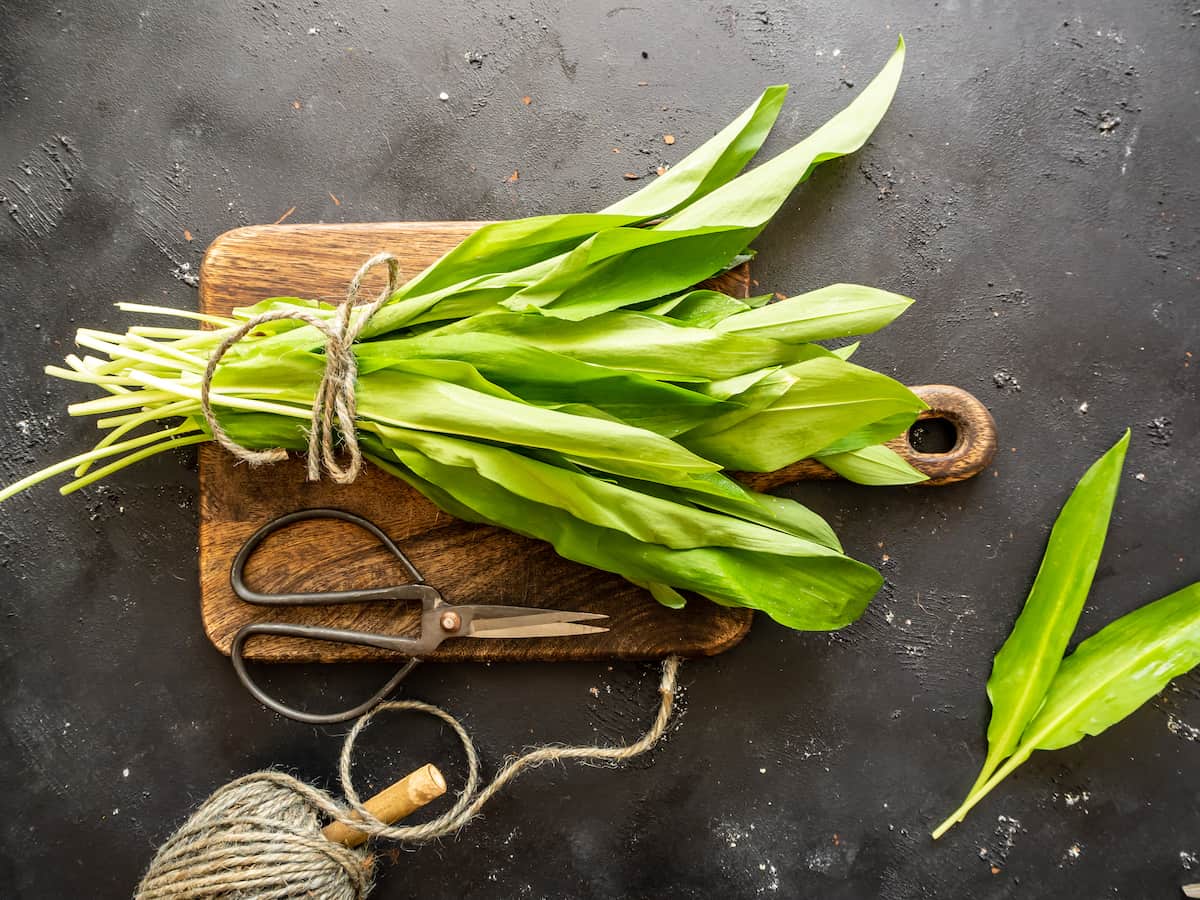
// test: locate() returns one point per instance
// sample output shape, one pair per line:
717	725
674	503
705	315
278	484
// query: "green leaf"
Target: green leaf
665	594
1025	665
840	310
876	465
826	399
1118	669
750	200
638	342
872	433
544	377
710	165
1108	676
703	309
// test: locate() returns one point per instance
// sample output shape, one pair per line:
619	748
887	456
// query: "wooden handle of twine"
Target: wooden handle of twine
393	803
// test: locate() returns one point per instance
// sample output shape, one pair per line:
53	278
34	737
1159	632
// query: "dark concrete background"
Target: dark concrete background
1034	187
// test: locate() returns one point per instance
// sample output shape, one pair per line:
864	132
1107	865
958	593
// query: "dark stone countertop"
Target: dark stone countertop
1034	187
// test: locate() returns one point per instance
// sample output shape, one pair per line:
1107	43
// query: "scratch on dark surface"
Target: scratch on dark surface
519	37
34	198
900	879
158	213
932	626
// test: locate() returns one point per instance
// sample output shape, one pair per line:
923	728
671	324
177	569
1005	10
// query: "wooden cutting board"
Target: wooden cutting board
468	563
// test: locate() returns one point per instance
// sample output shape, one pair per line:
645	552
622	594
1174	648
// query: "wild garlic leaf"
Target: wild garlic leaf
825	399
710	165
1108	676
840	310
1026	663
875	465
1118	669
751	199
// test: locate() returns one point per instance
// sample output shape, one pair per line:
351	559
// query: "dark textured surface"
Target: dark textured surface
1049	245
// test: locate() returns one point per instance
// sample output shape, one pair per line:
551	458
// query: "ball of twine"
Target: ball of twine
259	837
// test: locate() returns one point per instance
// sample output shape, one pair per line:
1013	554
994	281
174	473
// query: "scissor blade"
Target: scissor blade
489	613
560	629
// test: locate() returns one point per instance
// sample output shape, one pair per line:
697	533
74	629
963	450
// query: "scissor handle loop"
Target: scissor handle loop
417	590
317	633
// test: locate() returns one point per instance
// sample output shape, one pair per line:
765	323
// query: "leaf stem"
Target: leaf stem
198	437
67	464
976	795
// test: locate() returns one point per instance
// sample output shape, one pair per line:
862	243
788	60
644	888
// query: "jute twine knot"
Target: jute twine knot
259	837
335	399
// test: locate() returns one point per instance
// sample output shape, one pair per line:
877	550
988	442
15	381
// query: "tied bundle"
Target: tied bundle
560	377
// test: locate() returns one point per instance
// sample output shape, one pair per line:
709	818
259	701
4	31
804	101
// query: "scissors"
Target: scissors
440	619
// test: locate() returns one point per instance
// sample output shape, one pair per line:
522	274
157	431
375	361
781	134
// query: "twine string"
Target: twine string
259	837
335	403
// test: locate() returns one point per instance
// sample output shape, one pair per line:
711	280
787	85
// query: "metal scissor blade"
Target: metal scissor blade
525	621
551	629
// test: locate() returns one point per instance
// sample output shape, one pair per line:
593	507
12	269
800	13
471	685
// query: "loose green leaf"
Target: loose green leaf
1108	676
1025	665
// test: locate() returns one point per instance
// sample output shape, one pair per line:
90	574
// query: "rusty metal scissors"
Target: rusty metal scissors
440	620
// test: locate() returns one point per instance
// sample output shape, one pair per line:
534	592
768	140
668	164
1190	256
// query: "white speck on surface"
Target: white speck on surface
836	51
889	617
443	96
1083	407
1073	852
116	811
125	773
1140	476
1182	729
1073	800
314	30
762	771
594	691
1188	860
184	273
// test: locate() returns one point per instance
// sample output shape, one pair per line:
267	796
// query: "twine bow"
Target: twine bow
335	400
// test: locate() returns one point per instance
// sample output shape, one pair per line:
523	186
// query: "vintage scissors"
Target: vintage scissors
440	620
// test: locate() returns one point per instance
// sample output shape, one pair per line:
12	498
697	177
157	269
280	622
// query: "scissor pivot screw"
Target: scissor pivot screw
451	621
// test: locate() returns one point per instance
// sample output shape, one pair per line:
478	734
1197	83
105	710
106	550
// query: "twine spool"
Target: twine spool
260	837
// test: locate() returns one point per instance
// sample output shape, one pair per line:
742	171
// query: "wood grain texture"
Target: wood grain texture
468	563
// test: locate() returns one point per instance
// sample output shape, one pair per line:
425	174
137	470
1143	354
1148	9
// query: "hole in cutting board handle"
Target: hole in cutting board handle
933	435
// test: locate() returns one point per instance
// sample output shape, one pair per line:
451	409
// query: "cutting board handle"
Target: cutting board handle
971	451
